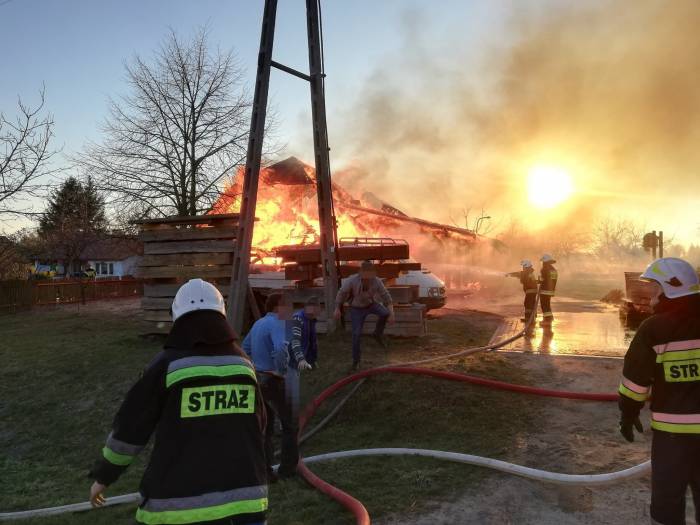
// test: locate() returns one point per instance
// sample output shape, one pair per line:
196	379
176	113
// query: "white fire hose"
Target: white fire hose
495	464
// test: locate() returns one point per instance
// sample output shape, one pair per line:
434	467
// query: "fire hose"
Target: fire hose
355	506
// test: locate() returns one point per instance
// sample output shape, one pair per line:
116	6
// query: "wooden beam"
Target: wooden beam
190	259
186	234
190	219
183	272
168	291
153	248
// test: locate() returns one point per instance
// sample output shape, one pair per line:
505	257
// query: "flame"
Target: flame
287	213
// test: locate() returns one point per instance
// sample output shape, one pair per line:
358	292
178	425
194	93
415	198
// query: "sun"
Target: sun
549	186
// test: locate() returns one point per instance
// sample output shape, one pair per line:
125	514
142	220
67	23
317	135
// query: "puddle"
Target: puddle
599	333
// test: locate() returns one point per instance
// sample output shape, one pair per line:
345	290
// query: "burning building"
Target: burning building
287	215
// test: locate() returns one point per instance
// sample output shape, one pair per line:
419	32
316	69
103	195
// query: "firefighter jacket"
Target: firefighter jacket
201	400
663	362
527	279
548	279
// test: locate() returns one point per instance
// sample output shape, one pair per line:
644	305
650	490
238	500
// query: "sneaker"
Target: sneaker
355	365
381	340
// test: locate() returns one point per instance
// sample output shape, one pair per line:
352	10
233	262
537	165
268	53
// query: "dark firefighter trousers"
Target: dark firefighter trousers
546	304
675	464
530	304
277	404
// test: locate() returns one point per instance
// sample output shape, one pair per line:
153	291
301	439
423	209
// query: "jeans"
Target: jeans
358	316
675	464
292	387
276	404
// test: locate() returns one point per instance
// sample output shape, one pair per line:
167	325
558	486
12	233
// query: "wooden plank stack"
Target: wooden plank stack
302	264
410	321
177	249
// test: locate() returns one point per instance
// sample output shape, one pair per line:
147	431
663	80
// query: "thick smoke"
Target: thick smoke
608	90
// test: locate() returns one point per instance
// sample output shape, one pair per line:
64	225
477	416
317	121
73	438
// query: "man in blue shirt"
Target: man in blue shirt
267	345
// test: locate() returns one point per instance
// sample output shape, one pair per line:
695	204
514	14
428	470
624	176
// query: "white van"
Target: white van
431	289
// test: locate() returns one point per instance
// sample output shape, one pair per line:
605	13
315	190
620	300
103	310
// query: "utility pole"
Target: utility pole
238	290
327	226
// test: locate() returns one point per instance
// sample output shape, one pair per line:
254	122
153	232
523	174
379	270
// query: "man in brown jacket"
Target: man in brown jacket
367	295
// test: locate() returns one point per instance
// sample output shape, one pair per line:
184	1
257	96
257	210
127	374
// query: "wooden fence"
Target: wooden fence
23	295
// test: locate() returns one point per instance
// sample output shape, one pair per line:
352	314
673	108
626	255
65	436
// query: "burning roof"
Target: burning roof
287	213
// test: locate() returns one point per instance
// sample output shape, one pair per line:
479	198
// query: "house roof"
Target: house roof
112	249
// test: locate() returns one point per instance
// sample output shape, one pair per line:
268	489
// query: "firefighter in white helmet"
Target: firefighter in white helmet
548	284
664	356
200	398
529	281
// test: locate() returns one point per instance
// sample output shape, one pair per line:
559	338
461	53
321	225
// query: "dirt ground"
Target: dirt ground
580	437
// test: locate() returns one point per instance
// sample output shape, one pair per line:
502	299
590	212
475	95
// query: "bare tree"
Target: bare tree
181	130
24	156
617	238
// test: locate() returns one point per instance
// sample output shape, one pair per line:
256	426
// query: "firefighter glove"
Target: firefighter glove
626	425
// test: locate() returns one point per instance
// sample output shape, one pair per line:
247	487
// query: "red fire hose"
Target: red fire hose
355	506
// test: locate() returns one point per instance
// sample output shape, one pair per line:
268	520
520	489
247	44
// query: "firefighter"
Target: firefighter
665	356
548	283
200	398
529	282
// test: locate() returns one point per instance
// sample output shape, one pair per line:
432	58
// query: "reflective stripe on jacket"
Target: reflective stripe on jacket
663	362
548	279
208	462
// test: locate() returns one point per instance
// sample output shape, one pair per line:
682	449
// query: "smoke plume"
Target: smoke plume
608	90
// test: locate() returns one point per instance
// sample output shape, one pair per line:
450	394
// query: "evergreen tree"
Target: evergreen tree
74	217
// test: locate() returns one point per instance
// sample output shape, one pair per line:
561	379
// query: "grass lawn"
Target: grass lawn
65	372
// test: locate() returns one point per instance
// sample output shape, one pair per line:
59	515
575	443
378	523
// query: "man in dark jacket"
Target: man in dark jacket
304	352
665	356
529	281
201	399
548	284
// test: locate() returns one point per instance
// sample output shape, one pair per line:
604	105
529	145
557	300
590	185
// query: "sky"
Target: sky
428	102
77	50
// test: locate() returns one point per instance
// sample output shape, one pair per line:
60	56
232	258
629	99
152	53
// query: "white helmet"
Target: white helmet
197	294
547	258
526	263
676	277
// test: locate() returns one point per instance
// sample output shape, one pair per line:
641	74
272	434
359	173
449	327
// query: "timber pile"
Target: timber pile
410	321
302	264
176	249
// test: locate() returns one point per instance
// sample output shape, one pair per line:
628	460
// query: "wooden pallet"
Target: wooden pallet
410	322
177	249
400	294
377	250
387	270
